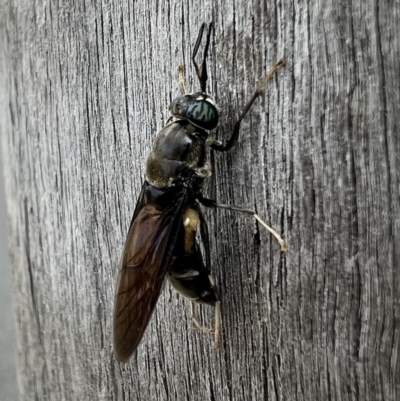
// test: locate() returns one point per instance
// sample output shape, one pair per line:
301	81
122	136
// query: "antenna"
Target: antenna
202	75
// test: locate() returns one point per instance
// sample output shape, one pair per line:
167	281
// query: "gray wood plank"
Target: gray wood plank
87	89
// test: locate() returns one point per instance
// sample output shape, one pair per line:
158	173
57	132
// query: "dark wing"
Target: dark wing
145	261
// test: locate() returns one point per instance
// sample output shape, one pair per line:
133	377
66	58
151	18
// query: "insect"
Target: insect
162	242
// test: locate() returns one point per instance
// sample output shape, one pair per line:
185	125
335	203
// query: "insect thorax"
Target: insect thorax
178	154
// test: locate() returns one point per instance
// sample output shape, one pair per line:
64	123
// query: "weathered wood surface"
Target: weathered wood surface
87	89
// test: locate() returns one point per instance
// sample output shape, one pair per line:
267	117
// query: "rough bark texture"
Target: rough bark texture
87	85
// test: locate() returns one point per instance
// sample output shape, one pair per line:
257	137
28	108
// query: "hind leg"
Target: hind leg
217	322
217	317
190	278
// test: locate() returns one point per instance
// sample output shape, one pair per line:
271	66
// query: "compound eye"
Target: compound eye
198	108
203	114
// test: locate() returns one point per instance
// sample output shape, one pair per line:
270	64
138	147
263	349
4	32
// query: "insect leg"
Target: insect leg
217	319
217	145
217	329
205	239
181	79
211	203
190	277
196	320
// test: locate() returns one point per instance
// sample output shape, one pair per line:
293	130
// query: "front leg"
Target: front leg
217	145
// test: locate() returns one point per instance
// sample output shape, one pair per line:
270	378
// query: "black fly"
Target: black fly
161	241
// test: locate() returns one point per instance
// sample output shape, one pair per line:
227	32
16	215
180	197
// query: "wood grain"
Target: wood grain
86	88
